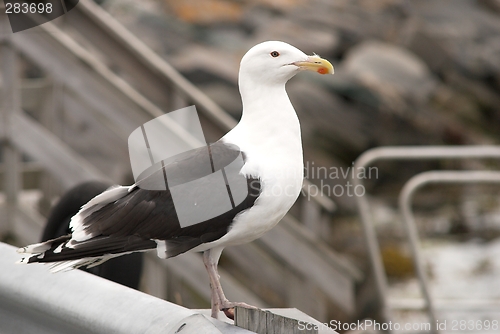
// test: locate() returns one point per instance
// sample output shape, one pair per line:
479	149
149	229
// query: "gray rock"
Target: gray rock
226	96
227	37
307	39
257	16
493	5
148	20
466	32
325	114
391	71
207	63
425	45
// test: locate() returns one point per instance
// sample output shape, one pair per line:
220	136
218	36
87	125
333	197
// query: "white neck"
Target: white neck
269	129
268	119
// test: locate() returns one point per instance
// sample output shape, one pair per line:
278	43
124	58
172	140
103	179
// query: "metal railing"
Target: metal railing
33	300
402	153
405	200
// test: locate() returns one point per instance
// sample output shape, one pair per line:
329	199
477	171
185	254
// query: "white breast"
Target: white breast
273	154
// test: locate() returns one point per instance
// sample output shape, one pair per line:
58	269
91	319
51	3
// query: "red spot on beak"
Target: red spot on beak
322	70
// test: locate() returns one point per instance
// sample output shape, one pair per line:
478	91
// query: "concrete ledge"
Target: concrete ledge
33	300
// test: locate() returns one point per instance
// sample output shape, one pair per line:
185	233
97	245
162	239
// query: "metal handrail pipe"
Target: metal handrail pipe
402	153
33	300
405	199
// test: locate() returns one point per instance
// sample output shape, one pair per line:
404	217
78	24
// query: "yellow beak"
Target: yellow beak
315	64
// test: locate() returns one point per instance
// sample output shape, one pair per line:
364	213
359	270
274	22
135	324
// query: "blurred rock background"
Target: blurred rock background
406	73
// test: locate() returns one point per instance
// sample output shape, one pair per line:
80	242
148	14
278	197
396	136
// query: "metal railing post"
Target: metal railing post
405	200
368	158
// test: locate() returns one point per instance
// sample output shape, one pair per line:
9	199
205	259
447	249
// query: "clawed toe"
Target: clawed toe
229	312
228	308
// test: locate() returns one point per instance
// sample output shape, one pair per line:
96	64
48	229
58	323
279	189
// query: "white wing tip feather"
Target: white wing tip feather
34	249
110	195
161	249
90	262
64	266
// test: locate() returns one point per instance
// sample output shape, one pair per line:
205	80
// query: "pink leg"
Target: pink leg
219	301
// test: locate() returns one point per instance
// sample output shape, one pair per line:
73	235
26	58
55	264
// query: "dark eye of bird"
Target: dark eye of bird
275	54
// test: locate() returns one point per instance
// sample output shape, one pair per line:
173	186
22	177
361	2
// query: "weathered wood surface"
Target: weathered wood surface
100	90
10	107
316	264
31	138
30	175
134	59
266	322
26	223
189	268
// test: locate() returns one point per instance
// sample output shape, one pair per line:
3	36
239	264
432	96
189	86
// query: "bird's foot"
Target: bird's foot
228	308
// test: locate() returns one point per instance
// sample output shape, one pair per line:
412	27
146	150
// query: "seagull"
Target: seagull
126	219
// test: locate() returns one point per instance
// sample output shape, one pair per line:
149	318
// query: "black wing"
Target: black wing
144	214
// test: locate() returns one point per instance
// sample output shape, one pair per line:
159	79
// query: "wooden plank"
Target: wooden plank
266	322
11	104
116	54
29	225
323	200
74	103
311	264
268	280
310	215
306	296
133	104
128	49
12	178
35	93
69	168
30	174
153	280
299	291
64	64
94	137
334	259
49	112
190	268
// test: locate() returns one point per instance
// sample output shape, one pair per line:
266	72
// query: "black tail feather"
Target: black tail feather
65	249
